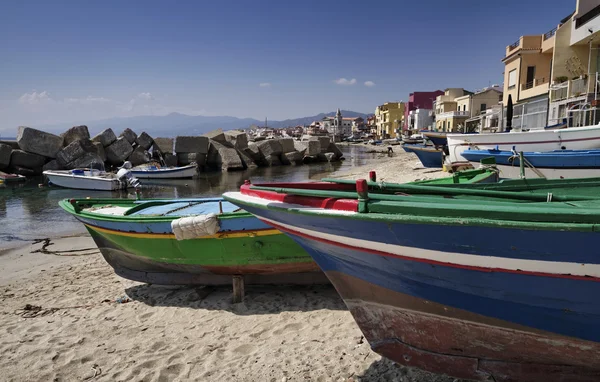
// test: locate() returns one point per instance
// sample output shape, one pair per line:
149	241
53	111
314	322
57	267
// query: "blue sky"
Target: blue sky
79	61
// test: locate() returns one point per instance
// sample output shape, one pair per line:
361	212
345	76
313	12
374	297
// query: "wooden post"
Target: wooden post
238	289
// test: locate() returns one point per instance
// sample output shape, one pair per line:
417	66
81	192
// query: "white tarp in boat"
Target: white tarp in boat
192	227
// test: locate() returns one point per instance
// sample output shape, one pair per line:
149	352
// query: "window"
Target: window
483	107
512	79
465	107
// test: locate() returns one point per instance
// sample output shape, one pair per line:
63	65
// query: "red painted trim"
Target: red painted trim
427	261
307	201
321	186
529	143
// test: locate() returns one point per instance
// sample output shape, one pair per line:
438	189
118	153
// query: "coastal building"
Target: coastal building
339	126
448	116
575	86
419	119
527	73
483	106
389	119
420	100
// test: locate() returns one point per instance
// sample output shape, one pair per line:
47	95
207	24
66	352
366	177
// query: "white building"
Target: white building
420	119
339	126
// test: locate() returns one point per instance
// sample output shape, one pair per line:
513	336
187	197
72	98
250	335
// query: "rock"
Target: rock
335	150
254	152
24	159
13	144
269	147
323	141
118	151
165	145
216	135
106	137
144	140
247	160
187	144
237	138
273	160
75	133
39	142
130	135
171	160
139	156
309	148
88	160
100	150
294	157
52	165
75	150
287	145
25	171
221	156
330	157
5	151
188	158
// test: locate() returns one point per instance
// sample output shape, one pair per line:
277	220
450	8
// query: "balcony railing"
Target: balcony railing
587	17
454	113
549	34
514	45
535	82
578	87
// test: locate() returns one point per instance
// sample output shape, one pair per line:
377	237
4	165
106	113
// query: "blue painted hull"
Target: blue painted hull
559	159
438	139
428	155
460	320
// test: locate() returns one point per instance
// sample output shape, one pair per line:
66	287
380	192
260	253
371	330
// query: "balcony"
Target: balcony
454	114
525	42
548	41
534	88
577	87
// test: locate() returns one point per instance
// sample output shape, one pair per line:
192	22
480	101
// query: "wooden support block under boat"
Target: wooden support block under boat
238	289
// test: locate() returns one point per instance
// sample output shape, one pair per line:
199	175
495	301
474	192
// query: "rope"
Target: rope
526	163
31	311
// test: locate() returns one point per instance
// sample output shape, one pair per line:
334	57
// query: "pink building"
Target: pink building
419	100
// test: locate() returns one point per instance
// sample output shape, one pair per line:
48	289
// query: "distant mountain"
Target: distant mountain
179	124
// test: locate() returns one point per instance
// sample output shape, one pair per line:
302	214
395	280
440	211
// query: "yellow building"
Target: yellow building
448	116
389	119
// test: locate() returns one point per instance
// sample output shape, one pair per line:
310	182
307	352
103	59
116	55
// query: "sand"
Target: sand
96	326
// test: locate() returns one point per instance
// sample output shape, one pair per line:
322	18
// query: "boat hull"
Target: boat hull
574	138
167	173
438	139
85	182
428	155
407	292
514	172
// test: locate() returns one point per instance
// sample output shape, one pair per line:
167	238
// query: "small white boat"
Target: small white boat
154	172
86	179
572	138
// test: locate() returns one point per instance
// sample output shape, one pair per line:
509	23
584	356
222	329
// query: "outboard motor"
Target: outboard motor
125	175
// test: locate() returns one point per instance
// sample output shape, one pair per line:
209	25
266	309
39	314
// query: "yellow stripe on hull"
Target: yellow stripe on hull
219	235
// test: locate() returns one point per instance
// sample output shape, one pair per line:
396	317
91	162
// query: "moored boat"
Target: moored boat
191	241
572	138
155	172
11	178
557	164
429	156
86	179
505	289
437	138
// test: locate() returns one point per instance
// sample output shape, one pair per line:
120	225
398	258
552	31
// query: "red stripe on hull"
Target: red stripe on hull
445	340
307	201
427	261
529	143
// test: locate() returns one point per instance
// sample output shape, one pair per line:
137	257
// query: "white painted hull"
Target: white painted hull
84	182
166	173
514	172
573	138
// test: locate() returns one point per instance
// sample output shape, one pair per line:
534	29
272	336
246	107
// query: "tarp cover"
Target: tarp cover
193	227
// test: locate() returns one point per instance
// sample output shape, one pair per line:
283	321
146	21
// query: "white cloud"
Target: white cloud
345	81
369	84
89	100
265	84
35	98
146	95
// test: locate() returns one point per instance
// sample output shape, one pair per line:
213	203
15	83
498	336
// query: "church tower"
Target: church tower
338	122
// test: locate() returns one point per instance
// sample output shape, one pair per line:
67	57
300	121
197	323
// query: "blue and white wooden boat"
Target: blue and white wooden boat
429	156
155	172
437	138
473	284
557	164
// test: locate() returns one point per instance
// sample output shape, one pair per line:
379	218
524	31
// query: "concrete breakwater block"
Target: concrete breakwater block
52	165
144	140
188	158
87	160
75	150
100	150
38	142
189	144
216	135
247	160
324	142
287	145
24	159
221	156
75	133
330	157
130	135
165	145
293	158
171	160
5	152
139	156
273	160
118	151
106	137
237	138
13	144
308	148
270	147
333	148
19	170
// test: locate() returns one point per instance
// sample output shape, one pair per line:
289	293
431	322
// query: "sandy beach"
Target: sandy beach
65	316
